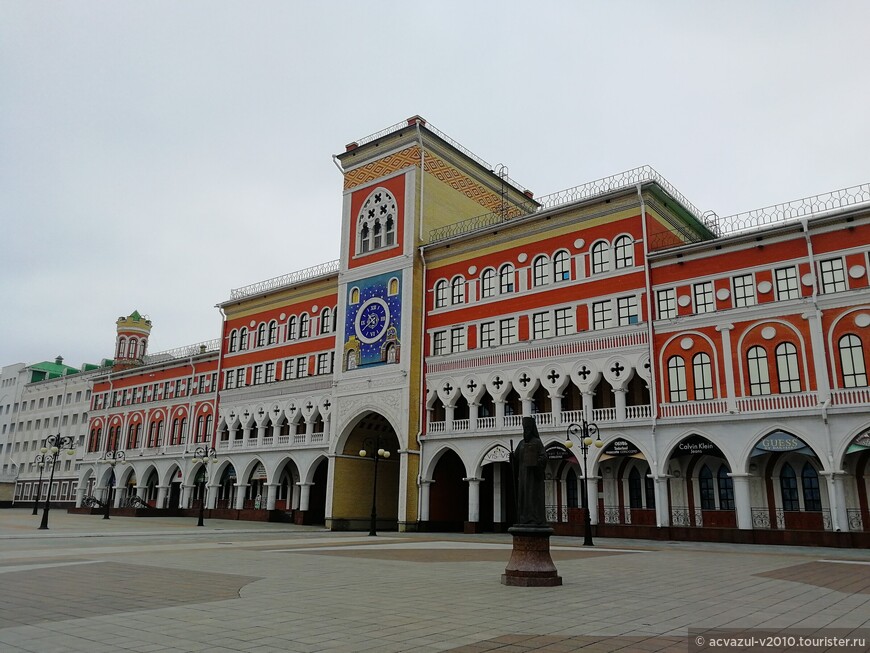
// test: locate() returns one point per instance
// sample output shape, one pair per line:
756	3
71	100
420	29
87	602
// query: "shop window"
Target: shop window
707	489
788	487
811	491
726	489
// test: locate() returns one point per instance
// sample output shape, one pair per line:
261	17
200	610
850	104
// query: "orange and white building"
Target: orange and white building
723	361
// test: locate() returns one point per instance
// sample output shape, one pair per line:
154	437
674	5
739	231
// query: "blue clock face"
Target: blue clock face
372	320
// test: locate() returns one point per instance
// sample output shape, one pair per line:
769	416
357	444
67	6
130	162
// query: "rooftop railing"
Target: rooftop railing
183	352
286	280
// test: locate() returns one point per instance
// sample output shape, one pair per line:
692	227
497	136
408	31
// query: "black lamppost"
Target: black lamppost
376	455
113	457
583	433
41	461
53	444
203	455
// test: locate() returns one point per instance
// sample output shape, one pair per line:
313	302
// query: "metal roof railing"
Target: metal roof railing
183	352
313	272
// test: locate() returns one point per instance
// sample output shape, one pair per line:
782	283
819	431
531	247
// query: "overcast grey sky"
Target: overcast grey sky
155	155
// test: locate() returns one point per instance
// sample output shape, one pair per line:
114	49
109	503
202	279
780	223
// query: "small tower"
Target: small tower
131	343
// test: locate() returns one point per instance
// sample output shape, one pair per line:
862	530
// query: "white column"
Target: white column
184	502
663	506
619	395
592	497
161	496
587	405
116	499
527	407
742	503
837	501
499	414
271	495
473	412
304	495
80	496
728	365
241	490
473	499
424	499
261	433
449	412
141	490
556	401
403	483
211	497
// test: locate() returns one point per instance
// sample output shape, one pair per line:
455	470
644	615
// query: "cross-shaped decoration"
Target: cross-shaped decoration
326	404
292	408
584	372
377	197
246	414
525	380
448	388
260	413
232	414
472	386
553	376
617	369
498	383
276	410
383	209
646	366
309	406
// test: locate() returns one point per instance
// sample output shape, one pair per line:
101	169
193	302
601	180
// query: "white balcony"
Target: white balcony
767	403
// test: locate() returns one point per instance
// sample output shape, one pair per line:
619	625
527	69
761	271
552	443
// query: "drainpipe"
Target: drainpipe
217	396
422	387
654	404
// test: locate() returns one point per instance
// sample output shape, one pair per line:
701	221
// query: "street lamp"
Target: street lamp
203	455
375	456
41	461
53	444
583	433
113	457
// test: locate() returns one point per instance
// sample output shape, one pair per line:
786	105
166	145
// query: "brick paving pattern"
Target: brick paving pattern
160	584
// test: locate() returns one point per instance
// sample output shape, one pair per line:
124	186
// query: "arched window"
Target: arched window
304	325
273	332
389	231
506	279
788	486
759	377
677	379
261	335
441	294
624	252
852	361
812	494
132	347
122	347
243	339
325	320
142	344
457	290
600	257
561	267
708	491
291	328
540	271
787	368
726	489
571	489
635	493
234	339
377	221
487	283
702	373
364	243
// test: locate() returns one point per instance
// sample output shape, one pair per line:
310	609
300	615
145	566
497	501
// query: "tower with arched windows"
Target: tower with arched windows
131	341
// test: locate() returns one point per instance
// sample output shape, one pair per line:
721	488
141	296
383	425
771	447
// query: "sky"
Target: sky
155	155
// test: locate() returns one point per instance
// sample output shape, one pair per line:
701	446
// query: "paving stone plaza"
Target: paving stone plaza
162	584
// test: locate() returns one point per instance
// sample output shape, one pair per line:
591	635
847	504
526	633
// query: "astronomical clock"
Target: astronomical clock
372	333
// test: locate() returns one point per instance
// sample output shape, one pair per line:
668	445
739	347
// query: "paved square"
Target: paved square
161	584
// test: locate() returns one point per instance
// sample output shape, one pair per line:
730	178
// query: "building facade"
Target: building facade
721	362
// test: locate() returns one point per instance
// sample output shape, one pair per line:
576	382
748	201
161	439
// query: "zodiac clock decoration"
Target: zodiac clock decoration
373	326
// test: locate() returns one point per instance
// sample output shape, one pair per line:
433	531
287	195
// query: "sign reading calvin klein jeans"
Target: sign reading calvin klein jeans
781	442
696	445
621	447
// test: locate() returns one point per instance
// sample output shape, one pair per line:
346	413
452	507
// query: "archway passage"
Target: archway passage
497	498
356	493
628	493
448	495
701	488
787	491
316	513
857	466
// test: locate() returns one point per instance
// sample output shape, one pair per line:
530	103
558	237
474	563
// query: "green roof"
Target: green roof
50	370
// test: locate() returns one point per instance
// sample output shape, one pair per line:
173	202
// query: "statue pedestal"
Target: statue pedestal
530	564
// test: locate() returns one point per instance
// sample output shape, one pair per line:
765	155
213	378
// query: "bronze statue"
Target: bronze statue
530	460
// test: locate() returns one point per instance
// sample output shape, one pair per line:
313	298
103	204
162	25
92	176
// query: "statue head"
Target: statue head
530	429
